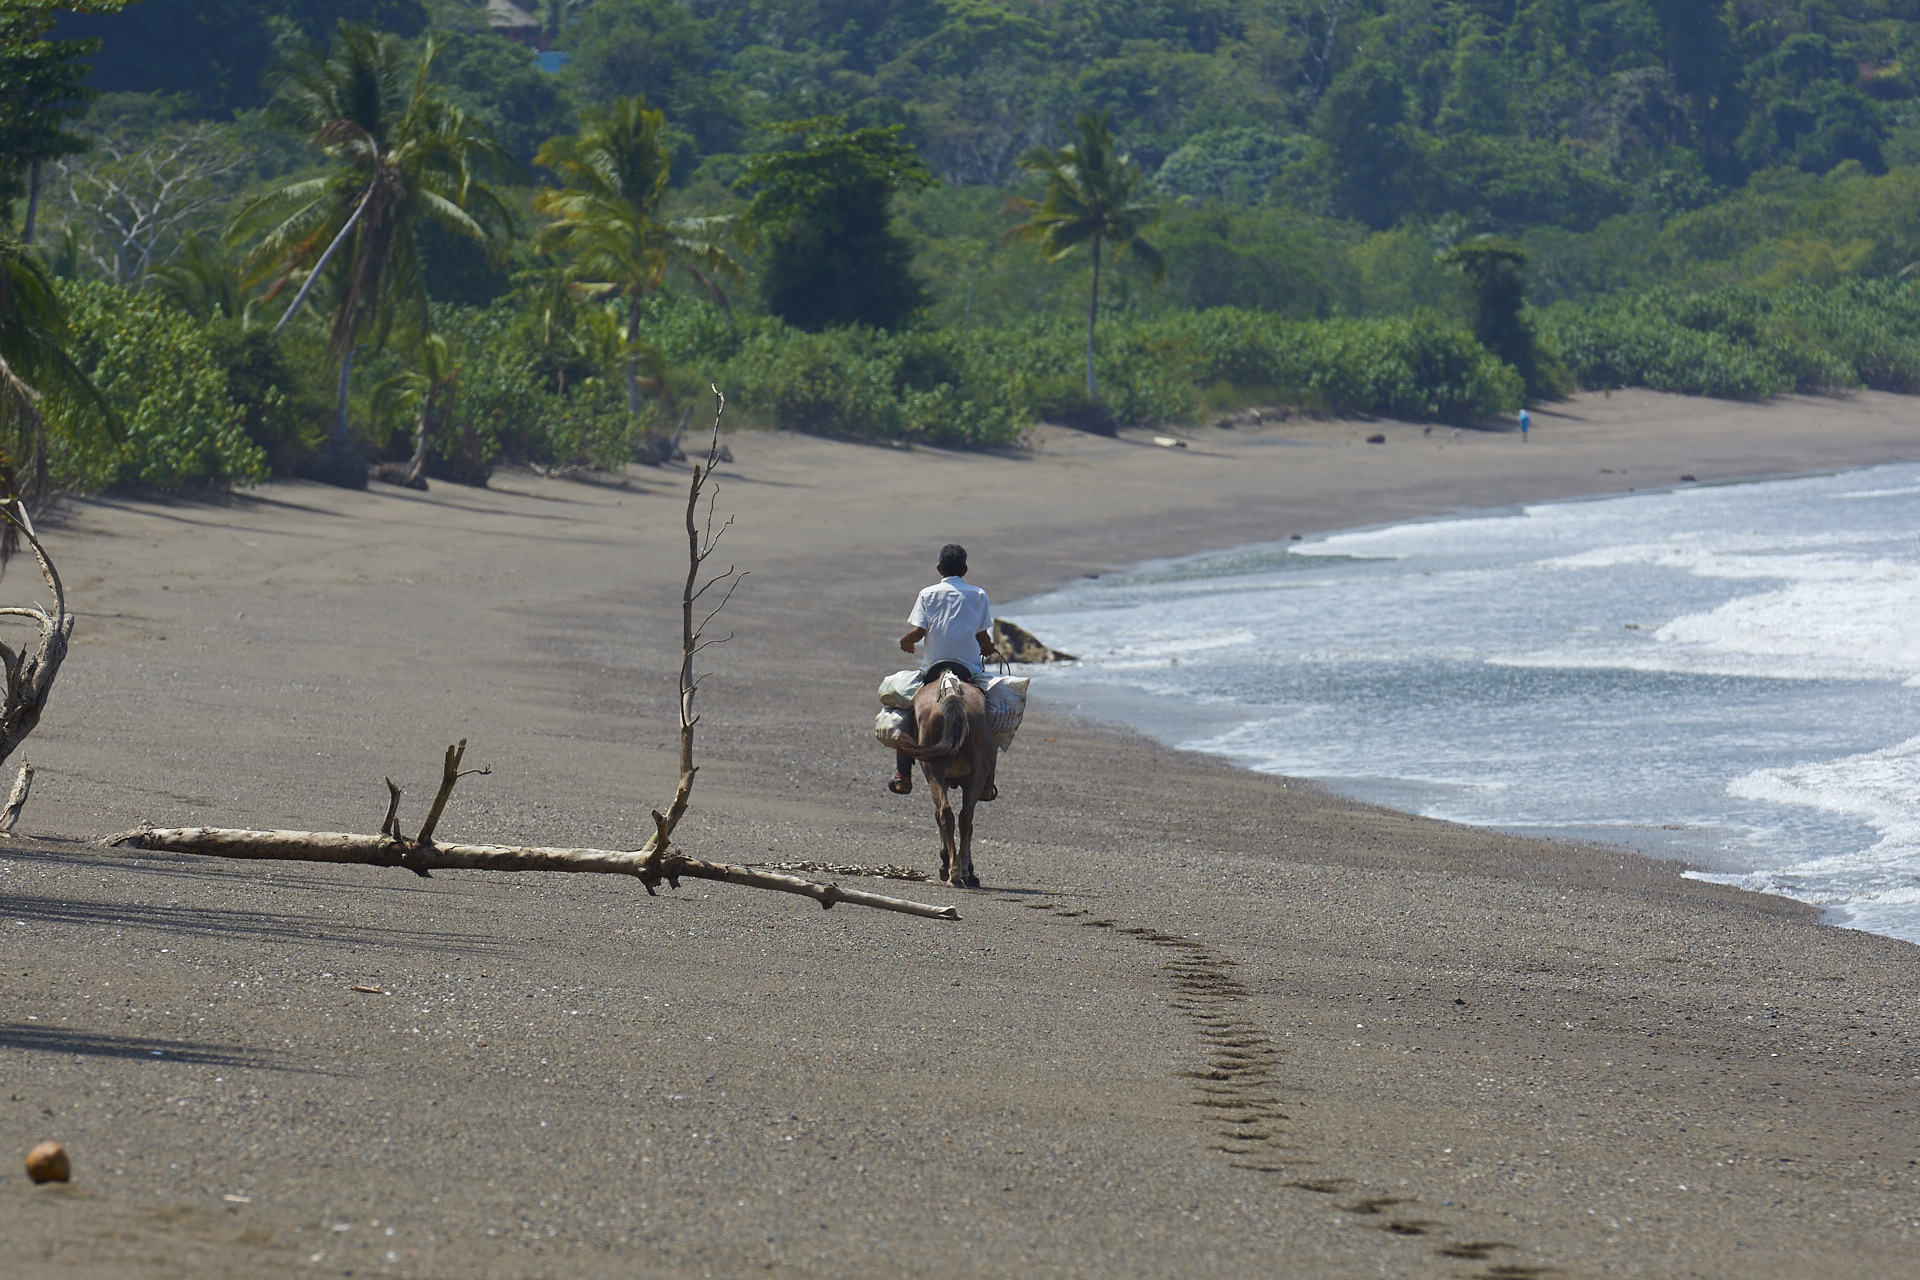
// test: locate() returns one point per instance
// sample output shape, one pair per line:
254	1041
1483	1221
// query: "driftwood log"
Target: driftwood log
30	671
383	851
654	862
17	798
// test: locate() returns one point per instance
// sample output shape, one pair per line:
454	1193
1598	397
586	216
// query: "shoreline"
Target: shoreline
1202	1019
1173	719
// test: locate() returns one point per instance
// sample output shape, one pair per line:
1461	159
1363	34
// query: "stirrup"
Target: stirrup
900	785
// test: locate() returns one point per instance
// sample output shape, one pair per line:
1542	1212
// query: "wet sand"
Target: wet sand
1201	1022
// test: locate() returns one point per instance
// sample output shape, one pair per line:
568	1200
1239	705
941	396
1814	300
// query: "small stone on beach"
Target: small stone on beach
48	1163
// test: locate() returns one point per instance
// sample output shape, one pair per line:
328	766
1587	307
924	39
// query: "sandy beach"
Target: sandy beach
1201	1022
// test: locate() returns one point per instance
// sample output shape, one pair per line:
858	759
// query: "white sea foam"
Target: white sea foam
1881	788
1866	625
1664	662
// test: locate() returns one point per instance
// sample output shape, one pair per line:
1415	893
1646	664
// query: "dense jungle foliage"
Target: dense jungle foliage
1392	207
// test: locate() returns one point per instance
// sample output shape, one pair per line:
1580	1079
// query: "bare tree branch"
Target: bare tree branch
30	673
136	200
17	798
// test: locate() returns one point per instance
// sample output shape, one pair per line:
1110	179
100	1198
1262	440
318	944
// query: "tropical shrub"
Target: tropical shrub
162	372
1743	343
982	386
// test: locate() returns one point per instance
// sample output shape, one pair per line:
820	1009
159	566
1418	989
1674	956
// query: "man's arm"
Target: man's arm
985	640
912	638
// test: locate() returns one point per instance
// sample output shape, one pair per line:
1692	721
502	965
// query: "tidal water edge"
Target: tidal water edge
1727	674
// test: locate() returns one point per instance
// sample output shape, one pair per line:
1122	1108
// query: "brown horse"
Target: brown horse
957	750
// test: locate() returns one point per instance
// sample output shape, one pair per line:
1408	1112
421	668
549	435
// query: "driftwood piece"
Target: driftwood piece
654	862
17	798
30	671
385	851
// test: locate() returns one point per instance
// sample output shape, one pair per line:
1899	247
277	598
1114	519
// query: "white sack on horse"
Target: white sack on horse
897	690
1006	707
894	728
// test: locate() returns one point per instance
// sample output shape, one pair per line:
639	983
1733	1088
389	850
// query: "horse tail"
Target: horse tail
953	711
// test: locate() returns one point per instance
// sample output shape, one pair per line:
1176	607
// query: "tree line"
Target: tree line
402	234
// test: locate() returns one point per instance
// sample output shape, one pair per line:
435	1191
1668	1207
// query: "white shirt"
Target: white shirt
953	612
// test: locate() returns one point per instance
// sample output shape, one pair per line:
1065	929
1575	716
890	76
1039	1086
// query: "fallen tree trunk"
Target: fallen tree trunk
384	851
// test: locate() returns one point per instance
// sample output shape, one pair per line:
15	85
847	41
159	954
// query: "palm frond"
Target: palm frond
401	155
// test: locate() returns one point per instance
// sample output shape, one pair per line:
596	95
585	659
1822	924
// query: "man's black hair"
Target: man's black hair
953	561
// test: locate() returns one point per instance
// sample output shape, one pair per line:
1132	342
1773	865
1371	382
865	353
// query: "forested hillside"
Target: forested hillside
1713	197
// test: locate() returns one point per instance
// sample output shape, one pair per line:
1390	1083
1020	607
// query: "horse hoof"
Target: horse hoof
971	882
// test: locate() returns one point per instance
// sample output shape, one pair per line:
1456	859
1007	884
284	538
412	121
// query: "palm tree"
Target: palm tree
1092	198
422	391
44	394
402	156
606	219
202	282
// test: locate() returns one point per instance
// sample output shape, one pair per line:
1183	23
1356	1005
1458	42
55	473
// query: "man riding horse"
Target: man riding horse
955	620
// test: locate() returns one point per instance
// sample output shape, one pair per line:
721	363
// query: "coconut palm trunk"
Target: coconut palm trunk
633	353
313	276
33	203
423	431
1093	314
338	439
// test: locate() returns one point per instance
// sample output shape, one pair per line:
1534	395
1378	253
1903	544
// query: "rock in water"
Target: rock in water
48	1163
1016	644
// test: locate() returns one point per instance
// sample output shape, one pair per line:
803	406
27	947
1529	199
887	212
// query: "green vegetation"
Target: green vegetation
934	219
1495	271
1743	343
399	157
824	207
1093	198
49	411
183	428
606	220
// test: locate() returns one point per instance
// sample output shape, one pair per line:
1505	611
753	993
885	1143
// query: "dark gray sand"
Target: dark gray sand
1201	1023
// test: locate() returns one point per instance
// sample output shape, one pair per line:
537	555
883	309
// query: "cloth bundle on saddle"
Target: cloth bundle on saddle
894	726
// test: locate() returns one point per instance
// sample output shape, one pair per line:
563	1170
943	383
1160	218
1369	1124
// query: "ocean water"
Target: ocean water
1725	674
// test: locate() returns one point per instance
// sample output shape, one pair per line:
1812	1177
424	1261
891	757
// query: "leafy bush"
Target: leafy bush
932	385
1742	343
162	371
282	410
516	410
981	386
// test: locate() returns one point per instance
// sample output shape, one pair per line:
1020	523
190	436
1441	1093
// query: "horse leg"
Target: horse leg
963	865
936	775
986	760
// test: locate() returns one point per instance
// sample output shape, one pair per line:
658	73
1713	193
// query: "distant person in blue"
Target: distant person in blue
1525	422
